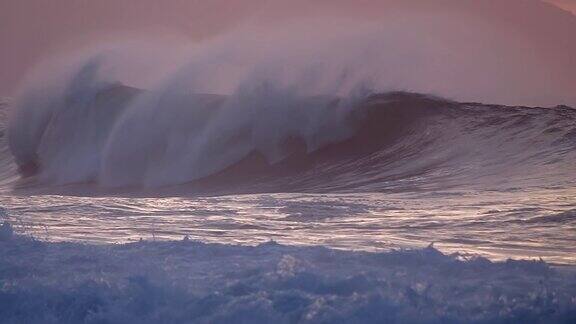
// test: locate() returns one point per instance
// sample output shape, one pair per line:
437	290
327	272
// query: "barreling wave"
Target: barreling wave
266	138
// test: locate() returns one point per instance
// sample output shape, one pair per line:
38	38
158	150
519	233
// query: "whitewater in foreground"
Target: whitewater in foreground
193	282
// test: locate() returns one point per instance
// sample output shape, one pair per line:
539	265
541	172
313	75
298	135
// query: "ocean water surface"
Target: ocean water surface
123	205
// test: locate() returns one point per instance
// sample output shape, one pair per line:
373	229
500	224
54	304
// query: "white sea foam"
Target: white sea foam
183	282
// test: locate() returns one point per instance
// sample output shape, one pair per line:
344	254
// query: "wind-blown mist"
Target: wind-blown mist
209	105
535	28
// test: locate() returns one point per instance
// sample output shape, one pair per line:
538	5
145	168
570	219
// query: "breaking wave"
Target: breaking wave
266	137
308	106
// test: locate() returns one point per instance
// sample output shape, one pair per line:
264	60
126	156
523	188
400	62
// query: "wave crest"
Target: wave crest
266	136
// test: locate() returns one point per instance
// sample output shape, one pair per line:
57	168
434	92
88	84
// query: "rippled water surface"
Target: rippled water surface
524	224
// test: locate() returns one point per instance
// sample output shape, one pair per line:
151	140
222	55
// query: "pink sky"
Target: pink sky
569	5
33	29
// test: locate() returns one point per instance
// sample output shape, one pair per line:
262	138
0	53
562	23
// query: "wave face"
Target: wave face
268	138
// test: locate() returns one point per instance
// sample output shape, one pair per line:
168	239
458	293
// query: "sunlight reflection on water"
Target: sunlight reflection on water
524	224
